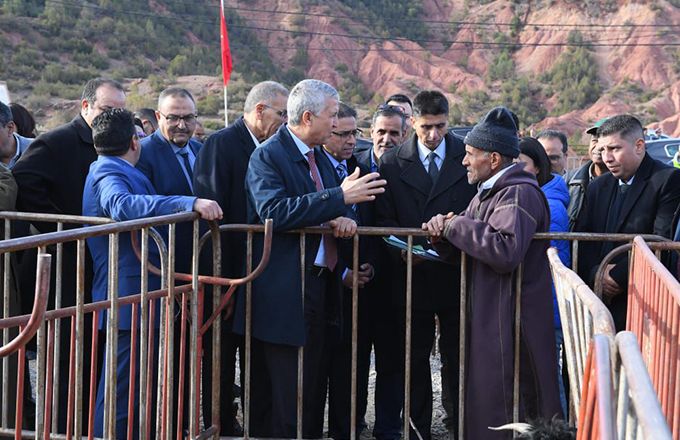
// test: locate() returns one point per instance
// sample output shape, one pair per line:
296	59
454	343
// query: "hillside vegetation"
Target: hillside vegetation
538	57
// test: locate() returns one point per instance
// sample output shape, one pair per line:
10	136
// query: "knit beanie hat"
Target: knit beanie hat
495	132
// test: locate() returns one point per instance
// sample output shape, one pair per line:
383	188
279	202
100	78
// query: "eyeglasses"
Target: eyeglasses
175	119
283	114
345	134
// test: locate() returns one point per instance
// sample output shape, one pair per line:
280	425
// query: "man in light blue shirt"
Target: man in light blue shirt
168	157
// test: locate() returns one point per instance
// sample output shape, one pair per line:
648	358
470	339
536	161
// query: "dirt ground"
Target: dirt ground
438	429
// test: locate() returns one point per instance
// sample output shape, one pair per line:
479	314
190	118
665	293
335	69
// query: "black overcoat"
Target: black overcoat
409	201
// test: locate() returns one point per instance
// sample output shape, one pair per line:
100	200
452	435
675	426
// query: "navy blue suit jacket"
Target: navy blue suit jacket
115	189
279	186
159	163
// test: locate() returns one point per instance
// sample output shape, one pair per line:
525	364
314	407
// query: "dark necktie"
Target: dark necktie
615	207
330	247
187	164
432	169
342	171
374	164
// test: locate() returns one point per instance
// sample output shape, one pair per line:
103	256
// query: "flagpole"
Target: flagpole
226	115
226	60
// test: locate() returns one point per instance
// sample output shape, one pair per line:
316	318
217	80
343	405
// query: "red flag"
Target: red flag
226	52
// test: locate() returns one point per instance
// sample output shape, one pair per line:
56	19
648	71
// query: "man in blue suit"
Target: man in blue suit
286	183
168	157
115	189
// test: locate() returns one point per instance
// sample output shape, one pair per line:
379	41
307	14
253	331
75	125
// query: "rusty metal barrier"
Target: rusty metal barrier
618	399
583	315
654	317
603	322
596	413
638	414
46	324
193	294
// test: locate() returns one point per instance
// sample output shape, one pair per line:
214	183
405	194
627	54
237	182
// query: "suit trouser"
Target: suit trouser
230	343
278	370
422	340
122	389
340	370
389	381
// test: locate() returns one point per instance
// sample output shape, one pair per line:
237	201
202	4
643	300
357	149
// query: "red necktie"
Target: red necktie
330	247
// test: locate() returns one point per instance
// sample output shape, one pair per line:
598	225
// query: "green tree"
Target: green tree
502	67
574	80
26	8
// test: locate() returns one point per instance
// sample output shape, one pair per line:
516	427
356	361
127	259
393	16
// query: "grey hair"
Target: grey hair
309	95
175	92
264	92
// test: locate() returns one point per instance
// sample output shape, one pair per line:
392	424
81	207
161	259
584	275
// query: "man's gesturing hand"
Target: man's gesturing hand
208	209
435	226
357	189
343	227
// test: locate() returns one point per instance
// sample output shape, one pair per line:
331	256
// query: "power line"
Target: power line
468	43
456	22
623	32
443	22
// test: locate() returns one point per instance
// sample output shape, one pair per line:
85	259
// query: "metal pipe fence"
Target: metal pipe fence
156	346
618	399
638	413
654	317
582	315
596	416
156	359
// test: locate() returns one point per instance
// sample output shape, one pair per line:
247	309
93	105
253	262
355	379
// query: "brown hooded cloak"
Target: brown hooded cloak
496	232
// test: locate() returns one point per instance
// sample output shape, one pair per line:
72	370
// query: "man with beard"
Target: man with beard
424	176
496	231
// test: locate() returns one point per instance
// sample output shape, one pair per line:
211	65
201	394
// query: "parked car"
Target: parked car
363	145
460	132
663	149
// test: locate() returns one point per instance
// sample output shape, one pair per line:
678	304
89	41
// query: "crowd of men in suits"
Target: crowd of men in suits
293	157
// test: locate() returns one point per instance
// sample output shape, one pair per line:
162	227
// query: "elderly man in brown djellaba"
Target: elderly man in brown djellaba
496	232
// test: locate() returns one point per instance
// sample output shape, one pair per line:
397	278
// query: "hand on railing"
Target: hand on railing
42	290
208	209
343	227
